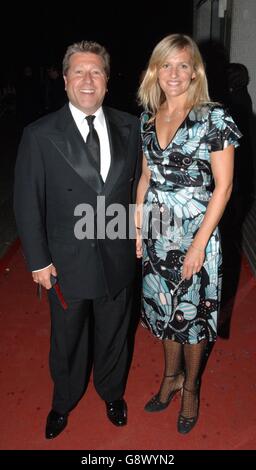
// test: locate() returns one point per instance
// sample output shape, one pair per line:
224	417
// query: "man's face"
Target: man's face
86	81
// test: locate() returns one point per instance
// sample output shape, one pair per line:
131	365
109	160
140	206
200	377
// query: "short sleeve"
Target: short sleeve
222	130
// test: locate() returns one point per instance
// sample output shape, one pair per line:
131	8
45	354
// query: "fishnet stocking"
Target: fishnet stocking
173	376
193	354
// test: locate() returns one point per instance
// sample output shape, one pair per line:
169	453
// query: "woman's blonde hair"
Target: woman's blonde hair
151	96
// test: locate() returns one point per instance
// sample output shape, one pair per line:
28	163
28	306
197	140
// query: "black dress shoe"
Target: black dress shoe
55	424
117	412
155	404
185	424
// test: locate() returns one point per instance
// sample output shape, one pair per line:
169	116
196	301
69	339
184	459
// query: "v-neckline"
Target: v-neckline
175	133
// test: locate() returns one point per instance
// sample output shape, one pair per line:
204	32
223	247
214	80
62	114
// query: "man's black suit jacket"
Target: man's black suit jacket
54	174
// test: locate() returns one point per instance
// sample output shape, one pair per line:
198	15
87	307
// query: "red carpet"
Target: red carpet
228	395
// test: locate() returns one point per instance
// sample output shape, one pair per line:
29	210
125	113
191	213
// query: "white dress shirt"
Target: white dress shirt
101	128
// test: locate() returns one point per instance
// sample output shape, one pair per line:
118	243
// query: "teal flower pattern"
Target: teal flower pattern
174	208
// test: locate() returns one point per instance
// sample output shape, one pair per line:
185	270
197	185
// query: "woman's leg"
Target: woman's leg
173	376
193	355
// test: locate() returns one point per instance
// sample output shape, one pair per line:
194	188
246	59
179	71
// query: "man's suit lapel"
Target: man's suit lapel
70	144
118	132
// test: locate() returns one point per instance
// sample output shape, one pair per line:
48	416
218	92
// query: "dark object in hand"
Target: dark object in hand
55	285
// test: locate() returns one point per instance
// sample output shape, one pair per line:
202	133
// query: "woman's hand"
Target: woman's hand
193	261
138	243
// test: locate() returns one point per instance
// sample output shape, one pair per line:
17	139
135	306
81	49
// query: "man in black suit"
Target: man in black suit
67	163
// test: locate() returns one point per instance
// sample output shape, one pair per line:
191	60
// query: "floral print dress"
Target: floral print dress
174	207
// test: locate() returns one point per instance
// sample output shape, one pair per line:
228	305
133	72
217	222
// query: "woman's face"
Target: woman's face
176	73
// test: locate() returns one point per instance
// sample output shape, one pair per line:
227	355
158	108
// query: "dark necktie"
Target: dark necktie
93	141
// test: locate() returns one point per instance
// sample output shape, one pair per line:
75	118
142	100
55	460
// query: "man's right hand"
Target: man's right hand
43	277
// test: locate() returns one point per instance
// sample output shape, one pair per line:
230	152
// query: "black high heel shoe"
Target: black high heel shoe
155	404
184	424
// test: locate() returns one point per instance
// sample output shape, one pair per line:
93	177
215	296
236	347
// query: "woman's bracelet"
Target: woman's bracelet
198	249
138	228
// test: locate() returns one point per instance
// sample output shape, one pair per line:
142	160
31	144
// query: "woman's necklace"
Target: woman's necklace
174	115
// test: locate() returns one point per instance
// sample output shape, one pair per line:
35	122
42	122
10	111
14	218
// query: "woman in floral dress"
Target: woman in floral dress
188	145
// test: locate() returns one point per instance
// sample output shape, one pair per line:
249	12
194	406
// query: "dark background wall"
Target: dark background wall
38	35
